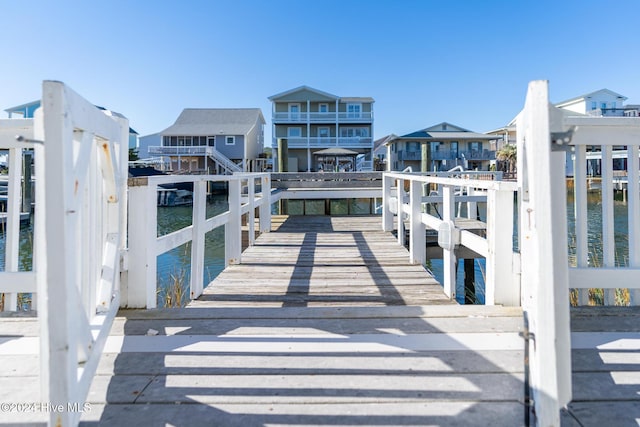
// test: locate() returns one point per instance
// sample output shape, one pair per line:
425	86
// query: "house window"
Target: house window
594	105
475	147
353	111
323	108
603	105
294	132
230	140
434	146
294	111
211	141
454	149
352	132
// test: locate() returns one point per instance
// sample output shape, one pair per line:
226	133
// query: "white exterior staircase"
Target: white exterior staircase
223	162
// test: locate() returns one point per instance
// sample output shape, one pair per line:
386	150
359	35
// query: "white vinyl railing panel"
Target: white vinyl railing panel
80	225
11	282
502	285
145	245
595	137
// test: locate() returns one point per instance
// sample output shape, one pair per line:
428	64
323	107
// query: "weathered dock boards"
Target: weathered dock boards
323	260
324	324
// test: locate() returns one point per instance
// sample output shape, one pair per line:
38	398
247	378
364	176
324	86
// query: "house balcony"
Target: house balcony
180	151
478	155
465	155
315	117
409	155
315	142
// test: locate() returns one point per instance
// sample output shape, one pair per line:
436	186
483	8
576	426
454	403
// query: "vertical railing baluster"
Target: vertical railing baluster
449	260
608	236
233	229
199	217
633	197
417	244
580	210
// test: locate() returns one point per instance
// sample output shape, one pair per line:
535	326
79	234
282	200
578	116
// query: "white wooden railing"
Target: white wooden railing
79	232
329	142
145	245
502	263
603	271
11	282
303	117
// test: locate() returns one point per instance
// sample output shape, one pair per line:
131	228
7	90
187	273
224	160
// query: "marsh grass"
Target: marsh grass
596	296
174	293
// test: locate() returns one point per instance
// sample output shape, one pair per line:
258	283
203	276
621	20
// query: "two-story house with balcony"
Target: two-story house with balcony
323	131
214	140
446	146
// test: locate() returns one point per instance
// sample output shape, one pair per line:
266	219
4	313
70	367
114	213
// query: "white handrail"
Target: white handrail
145	245
13	282
501	286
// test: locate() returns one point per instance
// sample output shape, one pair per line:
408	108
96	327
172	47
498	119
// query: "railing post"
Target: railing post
500	286
400	214
13	221
251	220
449	261
265	204
141	286
387	216
417	244
197	245
633	214
543	247
233	230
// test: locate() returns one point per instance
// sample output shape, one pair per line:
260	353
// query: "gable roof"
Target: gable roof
215	121
22	107
302	88
385	140
436	132
590	95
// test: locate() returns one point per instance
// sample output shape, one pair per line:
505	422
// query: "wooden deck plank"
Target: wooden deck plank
316	260
372	341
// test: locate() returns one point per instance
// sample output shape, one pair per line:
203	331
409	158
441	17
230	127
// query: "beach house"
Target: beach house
446	146
214	140
323	131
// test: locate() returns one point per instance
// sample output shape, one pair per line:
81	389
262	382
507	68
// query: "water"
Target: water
173	266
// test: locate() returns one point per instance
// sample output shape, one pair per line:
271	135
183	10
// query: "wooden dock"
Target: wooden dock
323	323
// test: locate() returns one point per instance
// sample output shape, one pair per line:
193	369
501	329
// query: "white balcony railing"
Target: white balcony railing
316	117
315	142
180	151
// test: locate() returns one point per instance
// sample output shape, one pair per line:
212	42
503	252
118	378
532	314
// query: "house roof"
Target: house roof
589	95
357	99
302	88
289	95
215	121
460	135
23	106
383	141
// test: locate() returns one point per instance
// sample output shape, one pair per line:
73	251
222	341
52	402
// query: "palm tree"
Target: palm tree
509	154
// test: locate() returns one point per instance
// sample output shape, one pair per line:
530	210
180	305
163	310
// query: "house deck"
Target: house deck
325	323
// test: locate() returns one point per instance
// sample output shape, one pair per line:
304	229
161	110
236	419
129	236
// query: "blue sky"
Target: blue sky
424	62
